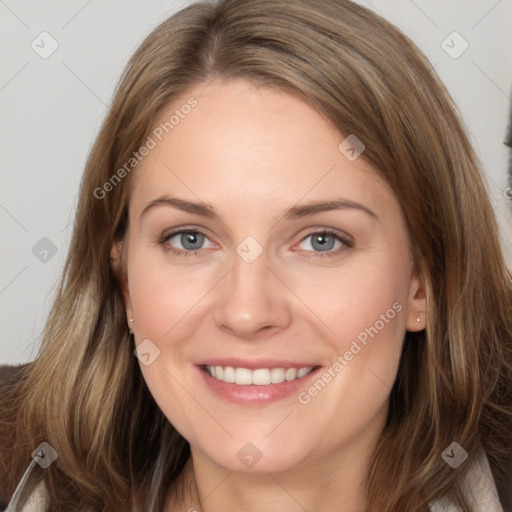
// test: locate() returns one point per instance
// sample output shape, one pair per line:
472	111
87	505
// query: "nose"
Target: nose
253	300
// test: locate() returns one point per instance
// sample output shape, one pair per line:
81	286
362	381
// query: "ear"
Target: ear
417	303
116	263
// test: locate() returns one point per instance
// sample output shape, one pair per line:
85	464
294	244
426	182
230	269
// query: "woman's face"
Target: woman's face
258	247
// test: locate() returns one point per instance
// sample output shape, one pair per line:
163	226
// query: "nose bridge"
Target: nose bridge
252	297
250	270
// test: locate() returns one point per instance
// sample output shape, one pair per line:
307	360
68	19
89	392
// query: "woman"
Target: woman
284	289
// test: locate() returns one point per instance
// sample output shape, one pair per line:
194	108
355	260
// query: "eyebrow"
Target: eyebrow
293	212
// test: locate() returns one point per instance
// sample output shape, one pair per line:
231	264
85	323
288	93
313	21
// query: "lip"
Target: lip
254	394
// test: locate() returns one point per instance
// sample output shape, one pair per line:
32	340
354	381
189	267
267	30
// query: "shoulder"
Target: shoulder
10	374
10	377
38	499
479	488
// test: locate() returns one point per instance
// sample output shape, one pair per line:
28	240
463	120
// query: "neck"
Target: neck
332	483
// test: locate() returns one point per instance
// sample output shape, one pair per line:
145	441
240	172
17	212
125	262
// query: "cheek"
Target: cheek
163	298
363	304
364	309
365	294
162	294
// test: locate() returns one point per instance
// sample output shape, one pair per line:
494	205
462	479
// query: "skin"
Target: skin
251	152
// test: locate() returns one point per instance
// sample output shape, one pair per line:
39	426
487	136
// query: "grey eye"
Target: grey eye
321	242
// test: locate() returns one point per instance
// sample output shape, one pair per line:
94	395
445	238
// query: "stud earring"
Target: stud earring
131	321
418	319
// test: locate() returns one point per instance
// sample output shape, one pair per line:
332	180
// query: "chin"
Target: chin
256	457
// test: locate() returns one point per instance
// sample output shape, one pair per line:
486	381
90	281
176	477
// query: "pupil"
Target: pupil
191	238
321	239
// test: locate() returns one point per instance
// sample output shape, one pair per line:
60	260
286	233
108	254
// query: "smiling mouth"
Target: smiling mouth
258	377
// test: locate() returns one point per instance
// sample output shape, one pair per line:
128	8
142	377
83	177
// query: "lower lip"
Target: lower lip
254	394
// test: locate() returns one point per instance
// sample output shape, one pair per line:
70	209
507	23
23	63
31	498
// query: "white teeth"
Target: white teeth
243	376
291	373
229	374
302	372
277	375
259	377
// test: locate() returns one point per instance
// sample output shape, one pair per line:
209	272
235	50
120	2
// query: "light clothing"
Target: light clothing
479	487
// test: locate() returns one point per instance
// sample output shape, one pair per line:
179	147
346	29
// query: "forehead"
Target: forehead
235	142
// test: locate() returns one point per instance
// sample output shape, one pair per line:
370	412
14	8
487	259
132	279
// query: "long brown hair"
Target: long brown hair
84	393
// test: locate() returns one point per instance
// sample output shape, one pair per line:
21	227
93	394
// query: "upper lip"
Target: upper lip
254	364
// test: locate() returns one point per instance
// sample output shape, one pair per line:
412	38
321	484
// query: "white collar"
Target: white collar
479	487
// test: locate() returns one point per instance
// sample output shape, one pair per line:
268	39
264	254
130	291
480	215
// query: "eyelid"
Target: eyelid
331	231
187	228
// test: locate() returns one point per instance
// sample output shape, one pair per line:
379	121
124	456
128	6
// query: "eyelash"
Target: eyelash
347	243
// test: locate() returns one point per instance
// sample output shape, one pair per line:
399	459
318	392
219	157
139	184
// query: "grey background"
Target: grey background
51	110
